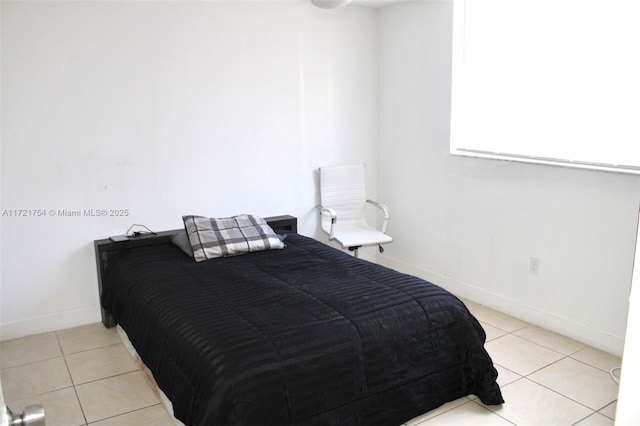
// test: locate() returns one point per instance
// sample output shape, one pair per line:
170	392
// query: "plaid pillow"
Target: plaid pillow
211	238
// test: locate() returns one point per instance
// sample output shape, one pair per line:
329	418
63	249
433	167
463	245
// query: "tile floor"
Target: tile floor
546	379
85	376
82	376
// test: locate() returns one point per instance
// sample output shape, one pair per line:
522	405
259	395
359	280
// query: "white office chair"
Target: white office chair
342	208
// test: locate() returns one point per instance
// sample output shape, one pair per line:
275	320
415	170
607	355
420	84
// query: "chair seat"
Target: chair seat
342	208
356	234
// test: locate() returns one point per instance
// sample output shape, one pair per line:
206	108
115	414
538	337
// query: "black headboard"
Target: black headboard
106	247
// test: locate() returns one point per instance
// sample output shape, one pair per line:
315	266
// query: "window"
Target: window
548	81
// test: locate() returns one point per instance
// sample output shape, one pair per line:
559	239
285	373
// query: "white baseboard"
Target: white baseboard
51	322
598	339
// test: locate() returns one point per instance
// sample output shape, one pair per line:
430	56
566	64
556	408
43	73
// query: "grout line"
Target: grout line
583	419
75	391
32	362
591	365
593	411
93	349
553	390
493	412
564	396
109	377
74	385
542	368
127	412
561	394
599	411
550	348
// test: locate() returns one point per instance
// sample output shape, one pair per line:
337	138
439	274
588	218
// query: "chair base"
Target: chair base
354	249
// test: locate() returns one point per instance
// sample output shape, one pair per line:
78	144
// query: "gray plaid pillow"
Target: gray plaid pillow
212	238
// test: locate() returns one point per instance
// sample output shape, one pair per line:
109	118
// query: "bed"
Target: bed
304	335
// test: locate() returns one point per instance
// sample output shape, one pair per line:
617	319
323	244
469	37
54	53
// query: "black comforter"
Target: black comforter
302	335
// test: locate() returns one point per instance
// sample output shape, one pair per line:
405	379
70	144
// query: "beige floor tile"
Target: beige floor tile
470	414
100	363
527	403
35	378
471	305
115	396
87	337
498	319
598	359
29	349
596	419
550	340
155	415
442	409
610	410
519	355
61	407
505	376
581	382
492	332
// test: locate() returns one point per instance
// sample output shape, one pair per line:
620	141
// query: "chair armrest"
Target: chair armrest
385	210
331	213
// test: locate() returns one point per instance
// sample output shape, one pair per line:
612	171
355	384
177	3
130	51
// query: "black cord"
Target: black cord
134	234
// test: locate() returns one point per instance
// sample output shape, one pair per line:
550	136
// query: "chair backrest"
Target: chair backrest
343	189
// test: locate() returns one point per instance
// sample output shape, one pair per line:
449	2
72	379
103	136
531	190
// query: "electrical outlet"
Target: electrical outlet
534	265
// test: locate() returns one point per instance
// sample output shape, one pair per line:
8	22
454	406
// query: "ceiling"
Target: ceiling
376	3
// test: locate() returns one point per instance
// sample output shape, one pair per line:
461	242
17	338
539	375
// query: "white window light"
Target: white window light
548	81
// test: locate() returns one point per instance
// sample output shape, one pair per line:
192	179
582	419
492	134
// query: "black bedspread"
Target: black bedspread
303	335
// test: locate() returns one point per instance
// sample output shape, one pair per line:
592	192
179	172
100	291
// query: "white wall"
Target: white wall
165	109
627	410
471	225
